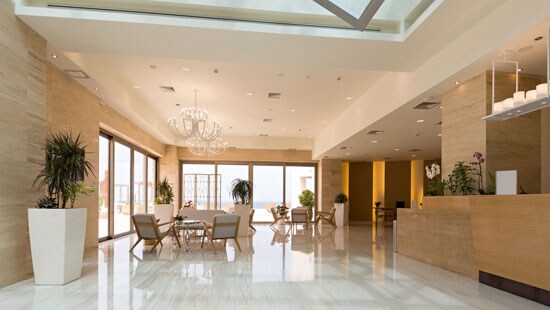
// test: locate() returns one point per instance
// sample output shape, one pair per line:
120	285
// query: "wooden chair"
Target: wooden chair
277	216
250	218
326	216
147	228
300	216
225	226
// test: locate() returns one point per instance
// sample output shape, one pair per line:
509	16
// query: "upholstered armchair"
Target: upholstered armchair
147	228
225	226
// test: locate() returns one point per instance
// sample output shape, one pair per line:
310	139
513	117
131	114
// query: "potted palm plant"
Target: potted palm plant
342	212
57	233
241	191
164	202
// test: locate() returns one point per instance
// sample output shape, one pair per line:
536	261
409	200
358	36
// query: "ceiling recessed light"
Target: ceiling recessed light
538	38
520	69
420	121
349	98
248	119
185	69
97	88
374	141
136	86
457	82
396	149
544	102
152	66
177	104
310	137
413	155
249	94
348	153
54	56
283	129
518	111
441	107
439	134
292	110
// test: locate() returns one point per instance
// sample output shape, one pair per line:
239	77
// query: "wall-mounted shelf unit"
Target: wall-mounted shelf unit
522	102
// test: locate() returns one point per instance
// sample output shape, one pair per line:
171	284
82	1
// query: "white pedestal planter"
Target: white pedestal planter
164	212
57	244
342	214
243	211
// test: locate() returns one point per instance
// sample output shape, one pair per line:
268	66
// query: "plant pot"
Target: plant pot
164	212
341	214
243	211
57	244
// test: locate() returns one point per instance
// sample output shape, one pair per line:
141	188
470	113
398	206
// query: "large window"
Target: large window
122	189
208	185
127	180
103	187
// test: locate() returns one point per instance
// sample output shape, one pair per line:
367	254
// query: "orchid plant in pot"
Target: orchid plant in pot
436	186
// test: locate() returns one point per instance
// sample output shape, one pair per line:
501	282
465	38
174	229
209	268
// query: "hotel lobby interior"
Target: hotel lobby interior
282	154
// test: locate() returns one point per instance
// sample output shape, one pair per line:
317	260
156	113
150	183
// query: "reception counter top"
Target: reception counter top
493	238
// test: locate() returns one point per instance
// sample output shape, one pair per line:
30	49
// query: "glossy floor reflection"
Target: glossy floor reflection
325	268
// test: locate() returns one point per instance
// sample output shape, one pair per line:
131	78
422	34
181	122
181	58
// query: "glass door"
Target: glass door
139	183
268	184
103	187
122	176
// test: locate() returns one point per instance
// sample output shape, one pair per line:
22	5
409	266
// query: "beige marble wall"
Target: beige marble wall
169	168
545	151
514	144
73	108
329	183
22	122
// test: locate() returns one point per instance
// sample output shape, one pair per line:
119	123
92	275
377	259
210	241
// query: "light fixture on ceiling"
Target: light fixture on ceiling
345	148
420	121
538	38
136	86
439	134
520	69
348	153
374	141
457	82
413	155
97	88
202	137
249	94
54	56
375	132
185	69
349	98
396	149
292	110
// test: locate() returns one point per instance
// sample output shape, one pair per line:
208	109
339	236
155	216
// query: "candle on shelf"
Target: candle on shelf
508	103
542	90
497	107
519	98
531	95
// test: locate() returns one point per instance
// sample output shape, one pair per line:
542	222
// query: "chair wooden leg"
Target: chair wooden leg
212	244
254	229
237	243
174	234
139	239
202	242
224	242
156	243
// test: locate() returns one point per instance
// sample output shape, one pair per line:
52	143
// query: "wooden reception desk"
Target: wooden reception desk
503	241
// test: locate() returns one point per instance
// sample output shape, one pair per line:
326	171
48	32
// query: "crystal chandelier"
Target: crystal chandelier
202	137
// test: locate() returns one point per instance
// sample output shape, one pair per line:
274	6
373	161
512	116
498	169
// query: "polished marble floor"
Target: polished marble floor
324	268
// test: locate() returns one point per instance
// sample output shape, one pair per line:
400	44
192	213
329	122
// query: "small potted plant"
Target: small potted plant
179	219
378	204
56	232
281	209
342	211
241	191
189	204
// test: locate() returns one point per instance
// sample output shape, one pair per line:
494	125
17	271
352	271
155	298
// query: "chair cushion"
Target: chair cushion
225	230
146	224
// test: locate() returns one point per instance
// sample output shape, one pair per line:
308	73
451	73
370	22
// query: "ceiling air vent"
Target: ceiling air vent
268	120
415	150
375	132
77	74
439	123
264	135
167	89
345	148
274	96
386	158
426	105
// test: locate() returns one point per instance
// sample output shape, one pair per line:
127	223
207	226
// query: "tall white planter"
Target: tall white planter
243	211
57	244
164	212
342	214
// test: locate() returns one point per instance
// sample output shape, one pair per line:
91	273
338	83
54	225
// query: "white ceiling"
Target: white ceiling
236	96
117	49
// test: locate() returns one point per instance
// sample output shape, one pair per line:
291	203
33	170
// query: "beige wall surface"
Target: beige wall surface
545	151
397	183
22	122
329	183
360	191
251	155
73	108
513	144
